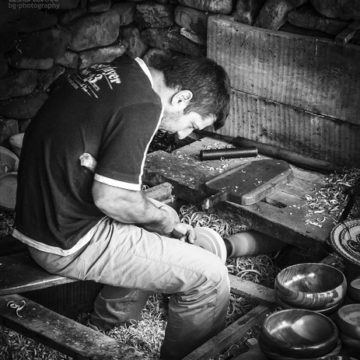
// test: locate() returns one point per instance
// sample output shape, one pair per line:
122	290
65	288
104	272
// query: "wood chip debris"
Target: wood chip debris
326	203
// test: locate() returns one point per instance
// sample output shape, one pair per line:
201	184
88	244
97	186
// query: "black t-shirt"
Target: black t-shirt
108	113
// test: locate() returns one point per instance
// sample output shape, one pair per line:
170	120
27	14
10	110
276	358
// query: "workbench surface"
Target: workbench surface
286	214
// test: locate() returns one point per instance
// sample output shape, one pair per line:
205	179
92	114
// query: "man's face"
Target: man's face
184	124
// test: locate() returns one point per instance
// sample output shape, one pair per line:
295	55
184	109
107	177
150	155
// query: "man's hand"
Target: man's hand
184	232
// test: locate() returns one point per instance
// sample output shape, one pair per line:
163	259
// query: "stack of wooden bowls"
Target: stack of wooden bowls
348	322
313	286
299	334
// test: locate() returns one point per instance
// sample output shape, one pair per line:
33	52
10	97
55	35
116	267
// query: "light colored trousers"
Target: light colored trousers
132	263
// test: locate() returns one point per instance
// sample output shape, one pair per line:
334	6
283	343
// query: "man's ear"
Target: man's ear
181	99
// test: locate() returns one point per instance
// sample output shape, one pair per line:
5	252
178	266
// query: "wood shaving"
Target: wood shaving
330	198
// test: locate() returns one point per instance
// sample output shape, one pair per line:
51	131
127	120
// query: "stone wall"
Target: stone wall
40	40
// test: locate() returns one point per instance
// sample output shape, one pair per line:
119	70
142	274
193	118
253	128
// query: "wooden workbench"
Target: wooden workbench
285	214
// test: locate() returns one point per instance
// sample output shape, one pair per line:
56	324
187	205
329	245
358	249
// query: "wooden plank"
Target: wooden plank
184	170
284	223
309	73
20	273
59	332
229	335
258	292
282	126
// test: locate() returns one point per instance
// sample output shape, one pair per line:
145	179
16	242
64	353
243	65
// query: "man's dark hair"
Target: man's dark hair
207	80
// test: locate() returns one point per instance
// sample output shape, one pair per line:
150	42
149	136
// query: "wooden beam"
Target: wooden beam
229	335
60	332
258	292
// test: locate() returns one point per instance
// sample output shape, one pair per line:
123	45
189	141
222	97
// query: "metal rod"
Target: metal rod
216	154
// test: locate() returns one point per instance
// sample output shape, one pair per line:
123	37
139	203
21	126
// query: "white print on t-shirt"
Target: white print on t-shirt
88	78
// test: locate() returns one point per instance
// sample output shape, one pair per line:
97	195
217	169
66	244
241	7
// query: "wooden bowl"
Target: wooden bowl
311	286
348	320
354	289
298	333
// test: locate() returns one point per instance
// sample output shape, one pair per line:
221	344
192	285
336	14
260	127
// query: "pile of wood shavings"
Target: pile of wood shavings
147	334
14	346
190	214
328	201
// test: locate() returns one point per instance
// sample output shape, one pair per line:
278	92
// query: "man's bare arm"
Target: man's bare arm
132	207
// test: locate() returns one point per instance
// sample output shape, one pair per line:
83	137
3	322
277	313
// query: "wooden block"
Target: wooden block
218	6
312	74
59	332
249	184
191	19
229	335
308	18
274	13
246	11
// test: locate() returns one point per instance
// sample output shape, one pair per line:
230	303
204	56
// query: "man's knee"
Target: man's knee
216	274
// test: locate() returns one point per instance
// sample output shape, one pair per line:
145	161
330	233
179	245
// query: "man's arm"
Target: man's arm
133	207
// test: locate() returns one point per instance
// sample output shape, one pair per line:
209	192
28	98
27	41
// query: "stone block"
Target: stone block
342	9
19	83
94	31
126	12
47	78
102	55
8	127
171	39
98	6
246	11
18	61
274	13
191	19
130	36
71	15
201	40
153	15
69	60
22	107
50	43
307	18
25	20
218	6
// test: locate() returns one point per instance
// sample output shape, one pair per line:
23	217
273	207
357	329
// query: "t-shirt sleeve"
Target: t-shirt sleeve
125	142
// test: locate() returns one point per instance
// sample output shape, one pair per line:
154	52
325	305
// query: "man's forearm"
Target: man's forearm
132	207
